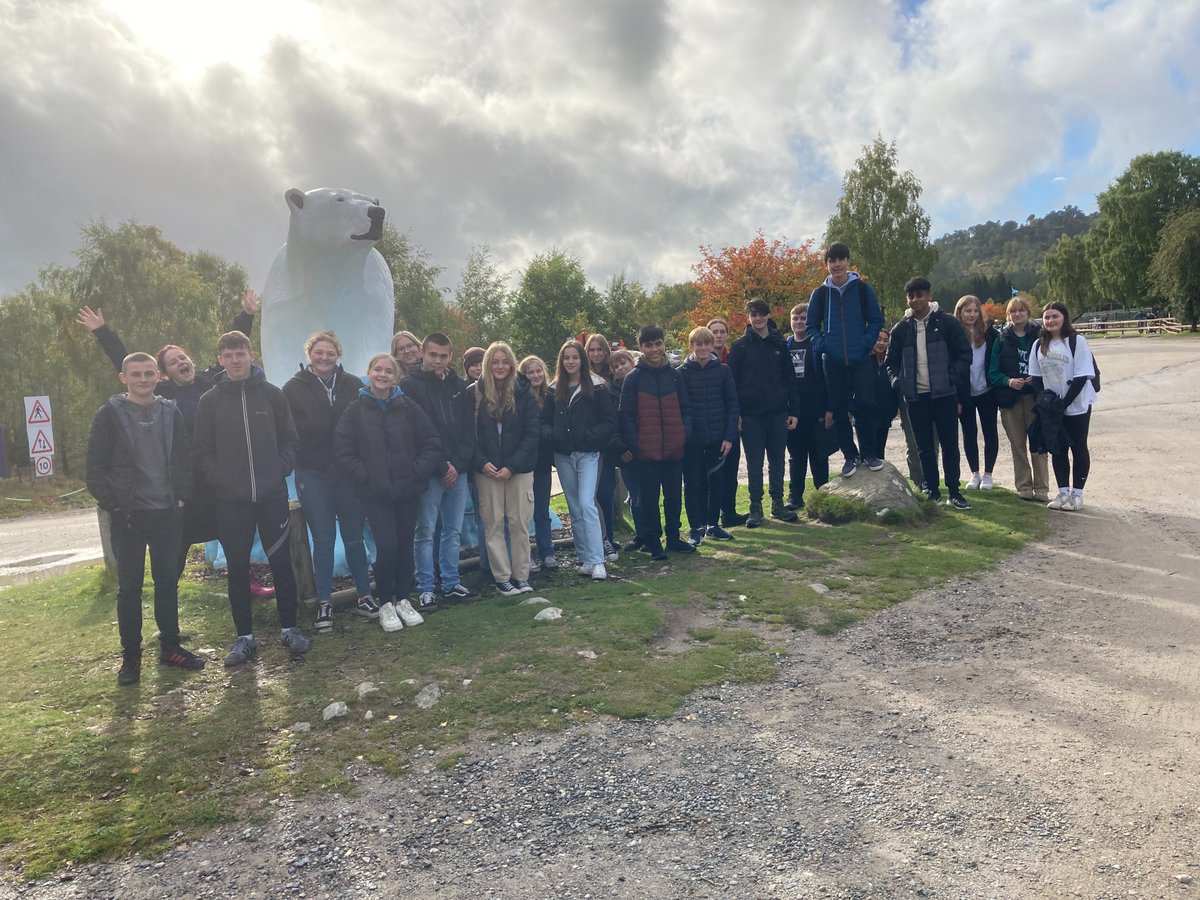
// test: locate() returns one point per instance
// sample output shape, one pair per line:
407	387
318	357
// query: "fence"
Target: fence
1130	326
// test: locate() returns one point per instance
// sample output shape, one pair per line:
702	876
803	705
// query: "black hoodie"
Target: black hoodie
762	370
448	405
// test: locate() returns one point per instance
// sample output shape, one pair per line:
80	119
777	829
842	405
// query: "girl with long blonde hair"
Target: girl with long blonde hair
981	335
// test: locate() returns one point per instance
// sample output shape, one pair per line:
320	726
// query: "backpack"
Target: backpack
1095	379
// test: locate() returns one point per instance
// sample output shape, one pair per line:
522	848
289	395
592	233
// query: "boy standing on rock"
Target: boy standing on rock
140	471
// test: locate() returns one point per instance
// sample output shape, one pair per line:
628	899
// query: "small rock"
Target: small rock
533	601
302	726
586	654
428	696
368	715
549	614
1184	879
367	687
334	710
819	588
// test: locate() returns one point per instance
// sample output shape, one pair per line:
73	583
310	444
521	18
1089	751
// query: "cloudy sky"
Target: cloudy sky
627	132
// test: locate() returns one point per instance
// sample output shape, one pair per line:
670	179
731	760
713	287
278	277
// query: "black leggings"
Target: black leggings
394	524
985	406
1077	430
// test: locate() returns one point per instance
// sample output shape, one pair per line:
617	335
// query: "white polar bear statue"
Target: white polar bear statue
328	276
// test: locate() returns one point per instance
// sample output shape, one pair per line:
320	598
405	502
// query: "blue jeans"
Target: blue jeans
578	474
541	514
852	387
329	504
450	503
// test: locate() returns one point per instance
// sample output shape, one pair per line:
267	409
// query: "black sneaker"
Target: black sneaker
324	622
523	587
874	463
781	512
695	536
734	520
634	545
131	670
717	533
507	588
458	592
849	467
655	549
933	496
958	502
677	545
756	516
181	659
793	503
367	607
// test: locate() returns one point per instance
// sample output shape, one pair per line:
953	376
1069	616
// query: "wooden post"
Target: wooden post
302	564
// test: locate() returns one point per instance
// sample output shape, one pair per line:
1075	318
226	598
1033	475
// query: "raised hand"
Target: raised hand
89	318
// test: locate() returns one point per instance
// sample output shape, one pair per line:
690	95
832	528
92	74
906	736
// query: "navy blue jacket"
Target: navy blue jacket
948	355
388	448
714	399
844	324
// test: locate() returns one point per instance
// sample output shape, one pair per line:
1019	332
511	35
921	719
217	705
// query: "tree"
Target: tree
482	296
1175	270
669	306
553	302
879	216
619	304
1069	275
419	304
781	274
1132	213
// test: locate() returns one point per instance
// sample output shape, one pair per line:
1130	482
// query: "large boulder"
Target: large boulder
885	489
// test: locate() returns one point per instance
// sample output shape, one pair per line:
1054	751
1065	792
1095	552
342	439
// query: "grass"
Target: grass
20	496
95	771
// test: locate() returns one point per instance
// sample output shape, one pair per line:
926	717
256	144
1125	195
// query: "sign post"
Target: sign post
39	429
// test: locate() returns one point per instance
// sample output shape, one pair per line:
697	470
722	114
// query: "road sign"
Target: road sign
43	465
39	426
42	443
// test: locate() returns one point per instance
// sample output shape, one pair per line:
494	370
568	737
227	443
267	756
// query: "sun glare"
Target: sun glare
195	36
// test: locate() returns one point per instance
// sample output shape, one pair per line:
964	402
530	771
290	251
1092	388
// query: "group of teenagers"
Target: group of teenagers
185	455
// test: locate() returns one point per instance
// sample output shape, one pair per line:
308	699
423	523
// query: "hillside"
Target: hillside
989	260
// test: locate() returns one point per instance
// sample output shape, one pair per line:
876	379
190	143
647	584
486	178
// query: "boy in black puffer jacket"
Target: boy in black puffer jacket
715	410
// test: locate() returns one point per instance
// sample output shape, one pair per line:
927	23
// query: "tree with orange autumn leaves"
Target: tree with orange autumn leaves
777	272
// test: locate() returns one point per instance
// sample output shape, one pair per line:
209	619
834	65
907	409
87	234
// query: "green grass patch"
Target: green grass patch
94	771
22	496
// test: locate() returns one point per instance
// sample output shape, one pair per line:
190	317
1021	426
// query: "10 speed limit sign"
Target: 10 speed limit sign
43	465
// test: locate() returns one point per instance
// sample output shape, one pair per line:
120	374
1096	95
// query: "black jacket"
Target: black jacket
245	438
111	470
446	402
714	400
948	355
584	424
388	449
514	447
762	370
315	417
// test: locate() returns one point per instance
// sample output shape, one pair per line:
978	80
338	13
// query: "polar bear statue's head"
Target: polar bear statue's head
326	217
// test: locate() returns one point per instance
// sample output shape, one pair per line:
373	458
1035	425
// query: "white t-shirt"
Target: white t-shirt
979	382
1057	369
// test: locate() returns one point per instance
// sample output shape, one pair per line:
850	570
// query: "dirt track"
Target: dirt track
1032	732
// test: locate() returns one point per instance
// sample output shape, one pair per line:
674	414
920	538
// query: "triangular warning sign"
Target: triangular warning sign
41	444
38	414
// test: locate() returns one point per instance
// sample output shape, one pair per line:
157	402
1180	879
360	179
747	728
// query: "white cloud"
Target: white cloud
627	132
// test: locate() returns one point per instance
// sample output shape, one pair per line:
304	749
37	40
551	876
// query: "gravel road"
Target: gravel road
1032	732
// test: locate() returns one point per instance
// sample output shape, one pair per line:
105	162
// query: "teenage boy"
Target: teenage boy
246	444
714	402
655	420
766	387
139	469
806	442
929	362
442	394
843	320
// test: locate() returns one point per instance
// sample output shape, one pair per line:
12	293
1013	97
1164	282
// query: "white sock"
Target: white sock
249	637
1078	492
1065	490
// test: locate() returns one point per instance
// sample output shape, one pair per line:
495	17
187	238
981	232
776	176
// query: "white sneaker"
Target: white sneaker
584	569
534	565
389	619
973	484
409	616
1076	503
1062	501
599	573
986	483
550	562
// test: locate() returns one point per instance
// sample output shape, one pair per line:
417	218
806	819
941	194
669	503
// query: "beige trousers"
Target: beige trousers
509	502
1030	480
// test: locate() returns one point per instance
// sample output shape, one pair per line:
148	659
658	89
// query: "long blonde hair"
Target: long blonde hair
539	393
978	332
503	395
